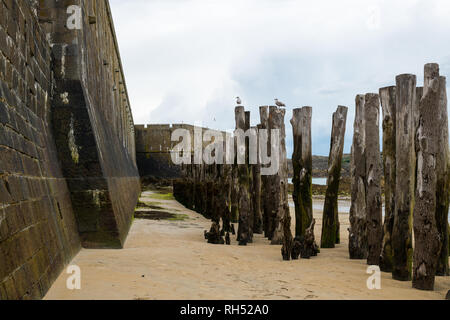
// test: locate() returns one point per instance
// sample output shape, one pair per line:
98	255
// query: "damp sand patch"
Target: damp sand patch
149	205
160	196
159	215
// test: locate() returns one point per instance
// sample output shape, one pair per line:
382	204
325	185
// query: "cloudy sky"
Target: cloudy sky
186	60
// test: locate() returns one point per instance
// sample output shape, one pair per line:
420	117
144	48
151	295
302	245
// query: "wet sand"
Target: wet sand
171	260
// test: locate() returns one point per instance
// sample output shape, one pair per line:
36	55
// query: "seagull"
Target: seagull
238	101
280	104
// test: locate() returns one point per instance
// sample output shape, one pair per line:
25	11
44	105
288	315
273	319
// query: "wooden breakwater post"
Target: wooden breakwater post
358	215
279	184
388	103
225	184
373	174
256	185
251	135
302	164
234	197
442	165
330	224
267	199
426	235
405	177
244	200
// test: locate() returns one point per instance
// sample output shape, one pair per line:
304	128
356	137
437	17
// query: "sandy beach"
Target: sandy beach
170	259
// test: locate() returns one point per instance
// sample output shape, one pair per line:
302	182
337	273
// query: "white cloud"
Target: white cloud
188	60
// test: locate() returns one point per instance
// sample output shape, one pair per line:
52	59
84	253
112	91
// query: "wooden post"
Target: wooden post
442	169
225	192
287	239
302	163
282	223
250	177
268	200
388	101
358	215
234	192
256	172
274	181
405	177
330	228
373	174
426	234
244	236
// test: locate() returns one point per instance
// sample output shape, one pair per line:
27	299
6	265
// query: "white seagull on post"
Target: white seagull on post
238	101
280	104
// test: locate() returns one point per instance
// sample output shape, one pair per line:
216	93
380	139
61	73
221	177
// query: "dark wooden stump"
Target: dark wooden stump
427	238
388	103
358	215
331	226
373	174
244	201
214	235
442	169
302	164
405	177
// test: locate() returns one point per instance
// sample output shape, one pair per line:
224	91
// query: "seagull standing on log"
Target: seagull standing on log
238	101
280	104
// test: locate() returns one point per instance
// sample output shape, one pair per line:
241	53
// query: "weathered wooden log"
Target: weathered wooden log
250	176
373	174
331	226
281	234
297	247
405	177
272	183
302	164
286	249
388	103
426	235
244	231
310	247
256	194
305	246
287	238
224	196
214	235
234	195
265	180
442	168
358	215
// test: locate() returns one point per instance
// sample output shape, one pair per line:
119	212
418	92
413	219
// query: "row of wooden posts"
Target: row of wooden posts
415	162
258	203
416	179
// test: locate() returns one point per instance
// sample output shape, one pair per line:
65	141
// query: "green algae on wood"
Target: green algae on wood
330	223
302	164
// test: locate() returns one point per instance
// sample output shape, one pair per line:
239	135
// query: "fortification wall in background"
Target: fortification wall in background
153	149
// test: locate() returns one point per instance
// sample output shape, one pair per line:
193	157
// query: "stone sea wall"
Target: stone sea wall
92	120
68	174
38	231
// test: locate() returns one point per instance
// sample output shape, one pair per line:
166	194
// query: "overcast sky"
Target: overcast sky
187	60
